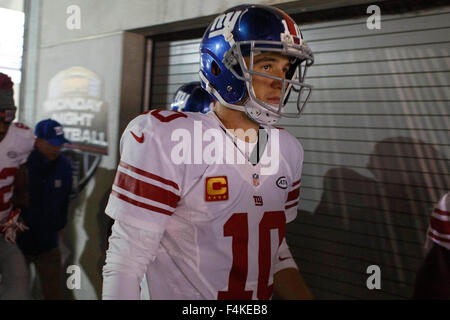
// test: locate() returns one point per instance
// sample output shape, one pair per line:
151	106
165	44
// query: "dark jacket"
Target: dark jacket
50	183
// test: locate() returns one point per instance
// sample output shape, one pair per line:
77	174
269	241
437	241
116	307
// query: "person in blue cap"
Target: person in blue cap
50	184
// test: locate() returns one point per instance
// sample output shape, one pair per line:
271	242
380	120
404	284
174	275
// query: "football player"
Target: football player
433	277
16	143
209	223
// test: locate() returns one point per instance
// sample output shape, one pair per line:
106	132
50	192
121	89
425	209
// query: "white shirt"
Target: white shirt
209	231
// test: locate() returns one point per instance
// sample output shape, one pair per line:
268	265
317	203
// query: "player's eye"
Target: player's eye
266	67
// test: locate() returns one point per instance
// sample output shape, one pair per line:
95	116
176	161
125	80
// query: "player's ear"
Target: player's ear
215	69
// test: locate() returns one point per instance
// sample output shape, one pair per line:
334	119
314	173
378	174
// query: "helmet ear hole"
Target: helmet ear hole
215	69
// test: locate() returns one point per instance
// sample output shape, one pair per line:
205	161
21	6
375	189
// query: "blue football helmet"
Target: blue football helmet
247	31
192	98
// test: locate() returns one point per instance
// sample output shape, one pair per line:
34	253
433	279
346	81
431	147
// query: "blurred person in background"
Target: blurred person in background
16	143
50	184
433	278
190	97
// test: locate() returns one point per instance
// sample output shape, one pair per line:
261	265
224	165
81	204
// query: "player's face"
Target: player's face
3	128
50	151
274	64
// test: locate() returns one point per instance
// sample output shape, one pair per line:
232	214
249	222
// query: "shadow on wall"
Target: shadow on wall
87	234
379	221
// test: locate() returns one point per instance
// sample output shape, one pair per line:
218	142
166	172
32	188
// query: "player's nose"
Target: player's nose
280	74
277	83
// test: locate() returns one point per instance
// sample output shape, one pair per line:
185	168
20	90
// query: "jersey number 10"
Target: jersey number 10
237	228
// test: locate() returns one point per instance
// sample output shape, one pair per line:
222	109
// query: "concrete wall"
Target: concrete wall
12	4
105	16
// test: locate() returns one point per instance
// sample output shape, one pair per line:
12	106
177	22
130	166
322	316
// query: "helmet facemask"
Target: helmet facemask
300	57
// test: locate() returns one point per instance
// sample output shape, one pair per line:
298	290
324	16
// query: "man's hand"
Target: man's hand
12	226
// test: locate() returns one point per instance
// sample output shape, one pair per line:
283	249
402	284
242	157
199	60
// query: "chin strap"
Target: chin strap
259	114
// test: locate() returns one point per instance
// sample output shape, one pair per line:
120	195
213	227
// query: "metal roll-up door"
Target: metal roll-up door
175	63
376	140
375	135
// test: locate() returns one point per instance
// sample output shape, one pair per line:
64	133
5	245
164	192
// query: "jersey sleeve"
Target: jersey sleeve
293	195
129	253
148	183
439	227
284	259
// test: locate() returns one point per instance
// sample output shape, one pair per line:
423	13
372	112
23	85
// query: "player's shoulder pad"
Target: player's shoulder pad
23	135
444	202
162	123
287	141
22	130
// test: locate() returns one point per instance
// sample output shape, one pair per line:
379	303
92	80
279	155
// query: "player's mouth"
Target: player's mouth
274	100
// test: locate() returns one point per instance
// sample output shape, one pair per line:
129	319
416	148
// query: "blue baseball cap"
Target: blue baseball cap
51	131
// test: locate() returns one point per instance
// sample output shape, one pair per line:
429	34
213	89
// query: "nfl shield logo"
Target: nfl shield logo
255	179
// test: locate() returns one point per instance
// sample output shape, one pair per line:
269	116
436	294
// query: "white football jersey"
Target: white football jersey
15	148
223	220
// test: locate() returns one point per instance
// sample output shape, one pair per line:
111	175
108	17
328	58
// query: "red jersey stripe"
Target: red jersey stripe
291	205
148	175
146	190
140	204
432	235
440	226
296	182
293	194
442	212
7	172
